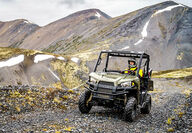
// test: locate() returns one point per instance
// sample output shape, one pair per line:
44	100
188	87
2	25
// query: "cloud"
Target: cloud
6	0
72	3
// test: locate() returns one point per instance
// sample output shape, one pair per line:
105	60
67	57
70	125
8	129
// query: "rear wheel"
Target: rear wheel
130	109
84	105
147	108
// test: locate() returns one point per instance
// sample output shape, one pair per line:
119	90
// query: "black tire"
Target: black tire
130	109
84	107
147	108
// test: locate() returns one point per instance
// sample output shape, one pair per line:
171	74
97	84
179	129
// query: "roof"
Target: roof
125	53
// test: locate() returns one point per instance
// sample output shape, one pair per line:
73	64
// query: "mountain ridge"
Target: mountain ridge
12	33
161	30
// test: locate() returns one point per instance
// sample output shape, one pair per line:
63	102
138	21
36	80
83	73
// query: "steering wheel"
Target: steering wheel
130	72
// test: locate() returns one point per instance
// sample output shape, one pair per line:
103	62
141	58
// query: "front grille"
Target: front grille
105	87
106	83
104	90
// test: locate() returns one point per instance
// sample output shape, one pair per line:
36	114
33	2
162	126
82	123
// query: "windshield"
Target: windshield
115	63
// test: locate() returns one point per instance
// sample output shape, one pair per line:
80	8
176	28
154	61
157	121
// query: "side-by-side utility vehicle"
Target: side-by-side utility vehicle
110	86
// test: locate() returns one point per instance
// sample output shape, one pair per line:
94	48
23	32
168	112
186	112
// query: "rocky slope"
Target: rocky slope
12	33
40	109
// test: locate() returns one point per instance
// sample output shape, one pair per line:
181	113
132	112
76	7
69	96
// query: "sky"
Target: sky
43	12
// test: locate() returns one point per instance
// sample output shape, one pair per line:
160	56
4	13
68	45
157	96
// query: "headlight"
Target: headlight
127	84
94	81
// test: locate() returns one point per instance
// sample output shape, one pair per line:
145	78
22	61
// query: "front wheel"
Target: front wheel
84	105
130	109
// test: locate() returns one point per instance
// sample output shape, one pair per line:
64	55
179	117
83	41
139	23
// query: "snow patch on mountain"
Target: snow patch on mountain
27	22
144	31
167	9
75	59
12	61
98	15
42	57
61	58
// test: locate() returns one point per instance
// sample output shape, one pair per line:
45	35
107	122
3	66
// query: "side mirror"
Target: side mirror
150	72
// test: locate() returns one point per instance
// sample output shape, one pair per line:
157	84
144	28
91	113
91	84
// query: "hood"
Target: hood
116	78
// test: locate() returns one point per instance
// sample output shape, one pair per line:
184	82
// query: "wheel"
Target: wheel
147	108
84	100
130	109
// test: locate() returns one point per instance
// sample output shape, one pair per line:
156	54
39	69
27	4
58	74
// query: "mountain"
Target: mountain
12	33
66	30
162	30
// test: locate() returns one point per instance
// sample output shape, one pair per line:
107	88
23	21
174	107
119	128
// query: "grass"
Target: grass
177	73
6	52
52	48
68	72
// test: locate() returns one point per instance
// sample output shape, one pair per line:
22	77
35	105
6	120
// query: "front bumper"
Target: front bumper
106	91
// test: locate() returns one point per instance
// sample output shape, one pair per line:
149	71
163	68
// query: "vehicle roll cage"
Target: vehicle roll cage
140	55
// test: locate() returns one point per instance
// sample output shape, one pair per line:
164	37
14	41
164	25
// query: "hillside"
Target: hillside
36	68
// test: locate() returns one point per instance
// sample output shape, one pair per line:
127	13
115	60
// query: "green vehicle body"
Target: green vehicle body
117	79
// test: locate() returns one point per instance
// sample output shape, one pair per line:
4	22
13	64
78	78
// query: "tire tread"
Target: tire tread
82	102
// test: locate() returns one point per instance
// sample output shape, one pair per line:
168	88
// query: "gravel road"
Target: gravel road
171	112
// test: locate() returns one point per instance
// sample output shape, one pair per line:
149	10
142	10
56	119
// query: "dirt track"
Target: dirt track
171	110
